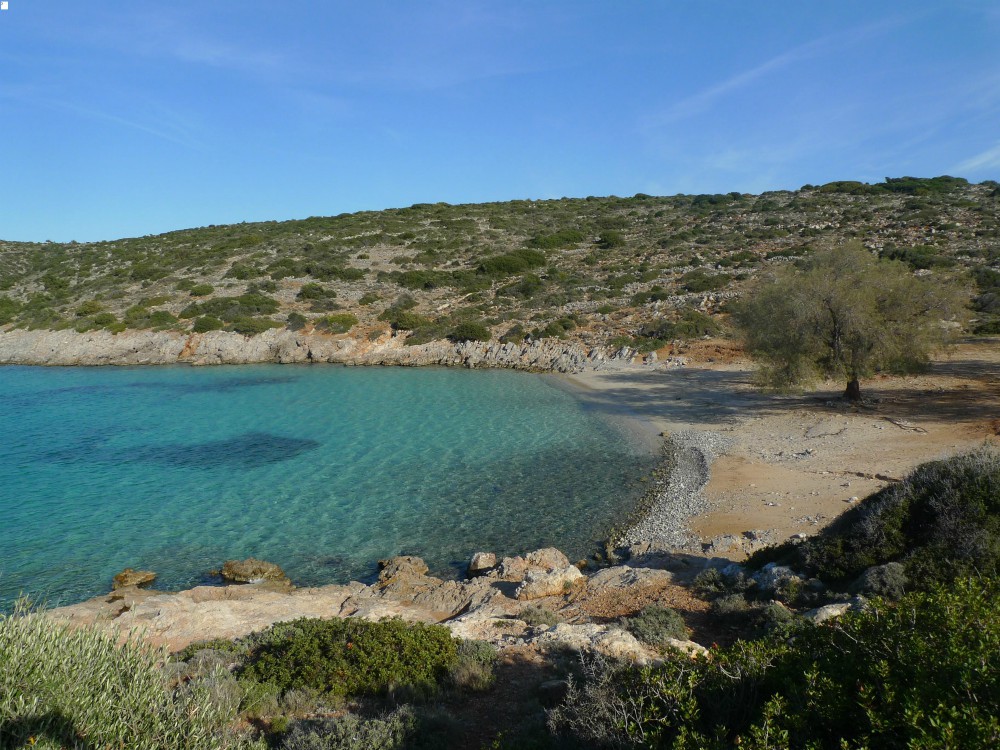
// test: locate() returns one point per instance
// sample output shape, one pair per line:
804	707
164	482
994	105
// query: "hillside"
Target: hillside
638	271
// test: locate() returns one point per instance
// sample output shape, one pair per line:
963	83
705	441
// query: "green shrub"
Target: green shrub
368	298
9	308
611	239
655	625
315	291
700	281
80	687
104	319
515	334
709	583
296	321
160	319
354	657
475	667
207	323
229	309
252	326
403	320
90	307
920	674
562	238
526	288
340	323
469	331
513	262
201	290
351	732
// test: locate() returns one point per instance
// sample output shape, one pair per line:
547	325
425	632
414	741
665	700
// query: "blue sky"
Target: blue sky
134	117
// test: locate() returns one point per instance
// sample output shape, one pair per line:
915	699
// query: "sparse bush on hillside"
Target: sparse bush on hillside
403	320
562	238
340	323
296	321
513	262
207	323
656	625
469	331
252	326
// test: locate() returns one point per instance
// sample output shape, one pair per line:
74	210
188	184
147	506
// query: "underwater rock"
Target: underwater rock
129	577
252	570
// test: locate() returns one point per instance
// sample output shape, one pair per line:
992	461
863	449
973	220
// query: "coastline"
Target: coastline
102	348
757	468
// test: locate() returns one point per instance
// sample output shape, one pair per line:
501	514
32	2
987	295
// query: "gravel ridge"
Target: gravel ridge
676	495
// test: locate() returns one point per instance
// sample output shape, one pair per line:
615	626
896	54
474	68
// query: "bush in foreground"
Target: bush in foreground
918	674
354	657
79	688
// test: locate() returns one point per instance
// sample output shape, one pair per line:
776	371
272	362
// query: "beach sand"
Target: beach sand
796	461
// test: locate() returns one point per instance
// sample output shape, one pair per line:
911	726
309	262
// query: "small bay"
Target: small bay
322	470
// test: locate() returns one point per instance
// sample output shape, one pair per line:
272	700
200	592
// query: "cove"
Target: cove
321	469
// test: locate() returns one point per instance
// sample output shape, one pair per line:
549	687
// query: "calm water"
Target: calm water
320	469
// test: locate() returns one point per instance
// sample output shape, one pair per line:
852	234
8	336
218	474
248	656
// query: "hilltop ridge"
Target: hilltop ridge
611	272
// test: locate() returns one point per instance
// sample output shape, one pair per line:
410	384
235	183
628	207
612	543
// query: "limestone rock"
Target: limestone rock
482	563
887	580
252	570
690	648
774	579
549	583
827	612
549	558
130	577
624	577
603	639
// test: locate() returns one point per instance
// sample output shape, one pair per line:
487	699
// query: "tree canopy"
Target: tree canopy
847	314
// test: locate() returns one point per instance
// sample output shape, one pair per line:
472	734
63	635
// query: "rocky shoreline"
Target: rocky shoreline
493	603
281	346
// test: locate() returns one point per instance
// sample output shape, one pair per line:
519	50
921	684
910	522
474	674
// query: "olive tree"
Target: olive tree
846	314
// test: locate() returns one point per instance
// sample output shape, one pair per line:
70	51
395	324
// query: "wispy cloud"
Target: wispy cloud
704	100
36	96
988	159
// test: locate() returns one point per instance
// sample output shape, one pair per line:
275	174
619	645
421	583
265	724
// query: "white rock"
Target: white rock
549	583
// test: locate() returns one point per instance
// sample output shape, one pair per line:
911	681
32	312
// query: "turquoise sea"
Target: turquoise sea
320	469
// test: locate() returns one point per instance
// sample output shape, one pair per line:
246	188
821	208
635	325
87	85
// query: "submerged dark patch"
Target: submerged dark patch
243	452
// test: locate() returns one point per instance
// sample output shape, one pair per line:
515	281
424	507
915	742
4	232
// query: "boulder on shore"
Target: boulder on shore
252	570
130	577
482	563
538	584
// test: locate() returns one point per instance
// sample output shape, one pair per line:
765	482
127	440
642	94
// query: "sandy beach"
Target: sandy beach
794	462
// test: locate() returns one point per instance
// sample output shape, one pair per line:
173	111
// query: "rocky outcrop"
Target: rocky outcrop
481	564
284	346
129	577
486	607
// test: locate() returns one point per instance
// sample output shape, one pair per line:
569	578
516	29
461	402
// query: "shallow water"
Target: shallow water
322	470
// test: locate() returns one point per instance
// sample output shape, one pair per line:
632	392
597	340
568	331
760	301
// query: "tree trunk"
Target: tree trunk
853	391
